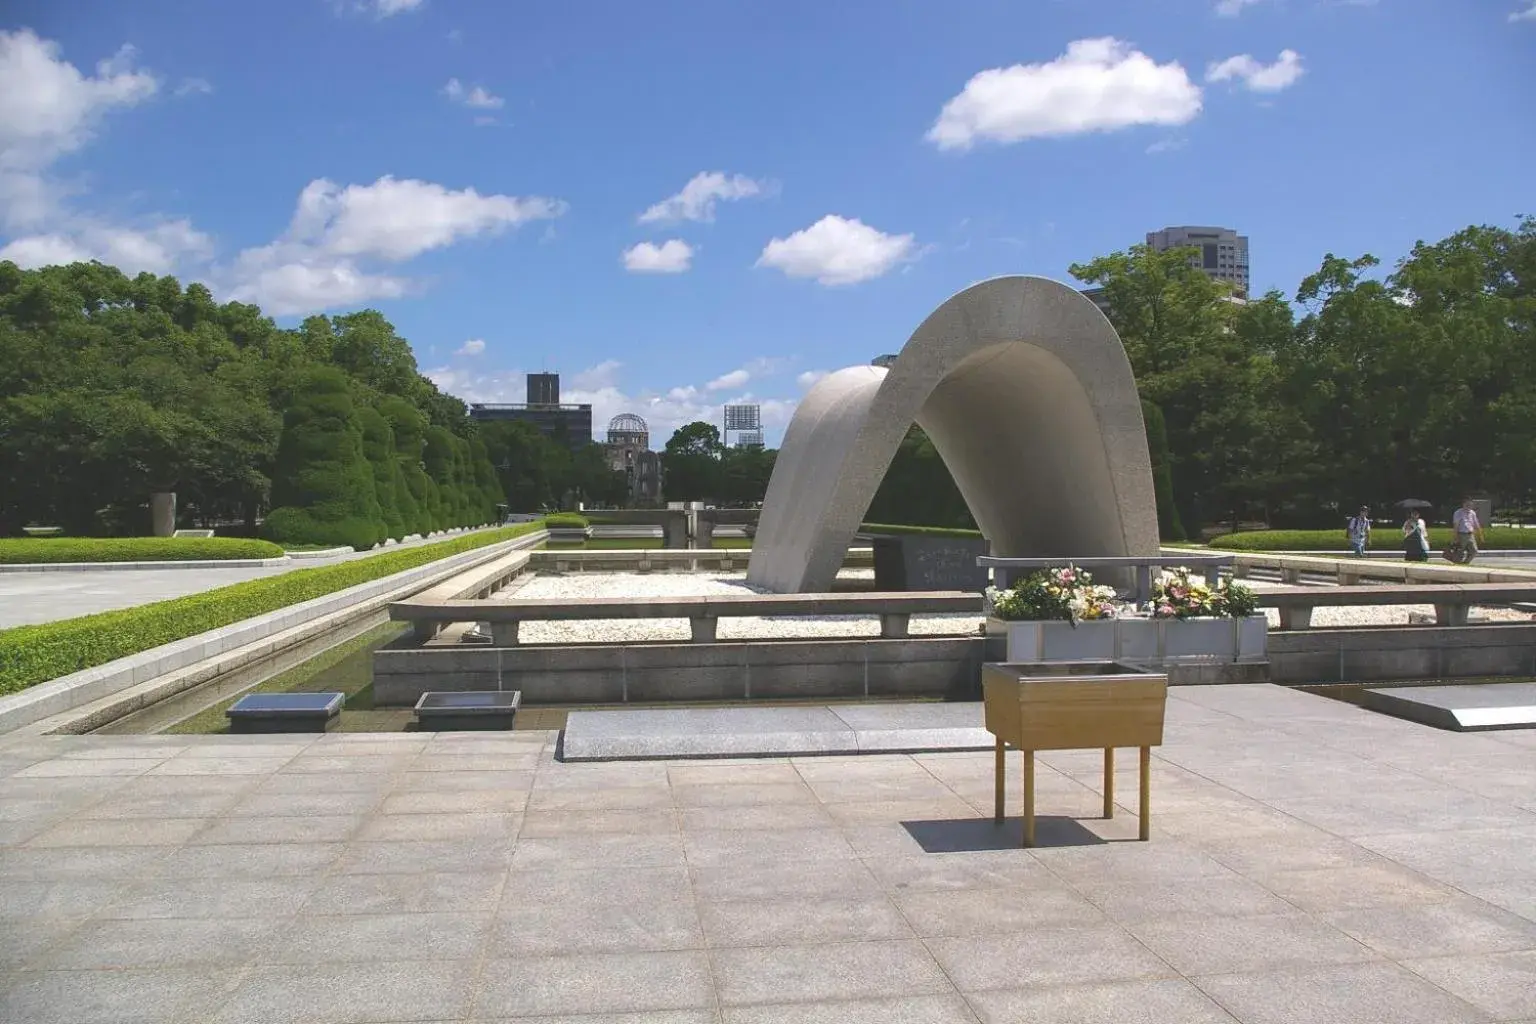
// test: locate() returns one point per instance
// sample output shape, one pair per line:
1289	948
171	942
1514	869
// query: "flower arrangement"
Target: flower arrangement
1067	593
1175	595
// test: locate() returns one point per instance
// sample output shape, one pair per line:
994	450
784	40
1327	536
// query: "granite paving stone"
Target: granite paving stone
598	983
854	970
1503	984
950	1009
410	990
1044	956
1124	1002
1379	992
802	921
459	877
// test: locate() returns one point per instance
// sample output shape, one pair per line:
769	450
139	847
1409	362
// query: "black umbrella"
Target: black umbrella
1415	503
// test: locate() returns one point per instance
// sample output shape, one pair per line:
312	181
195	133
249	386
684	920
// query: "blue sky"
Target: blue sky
484	172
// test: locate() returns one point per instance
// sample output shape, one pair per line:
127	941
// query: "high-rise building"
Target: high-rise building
543	389
569	423
1223	253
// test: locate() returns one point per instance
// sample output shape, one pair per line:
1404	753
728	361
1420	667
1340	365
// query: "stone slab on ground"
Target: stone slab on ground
1463	708
1311	862
664	733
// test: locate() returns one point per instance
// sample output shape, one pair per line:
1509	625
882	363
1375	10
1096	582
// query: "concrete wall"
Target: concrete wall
1413	652
1028	397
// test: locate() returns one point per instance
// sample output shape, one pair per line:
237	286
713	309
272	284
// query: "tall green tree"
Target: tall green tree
691	462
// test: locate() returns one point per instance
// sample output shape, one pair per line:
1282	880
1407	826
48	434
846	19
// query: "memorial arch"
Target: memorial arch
1028	396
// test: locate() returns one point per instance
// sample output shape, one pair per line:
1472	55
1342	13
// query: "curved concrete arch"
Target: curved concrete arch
1028	396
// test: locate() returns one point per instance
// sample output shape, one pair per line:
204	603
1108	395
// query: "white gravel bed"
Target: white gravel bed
608	586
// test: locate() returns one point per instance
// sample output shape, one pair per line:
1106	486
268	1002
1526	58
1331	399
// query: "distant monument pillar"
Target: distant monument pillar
162	513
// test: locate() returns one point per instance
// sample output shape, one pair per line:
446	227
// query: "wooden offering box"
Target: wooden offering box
1071	706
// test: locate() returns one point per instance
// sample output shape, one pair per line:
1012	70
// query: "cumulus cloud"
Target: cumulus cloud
378	8
836	251
1529	14
316	264
194	87
734	379
698	198
809	378
1232	8
674	256
472	347
52	109
1097	85
476	97
158	248
1255	75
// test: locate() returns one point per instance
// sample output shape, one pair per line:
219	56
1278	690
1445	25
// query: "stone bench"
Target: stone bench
703	613
284	712
479	582
440	711
1451	601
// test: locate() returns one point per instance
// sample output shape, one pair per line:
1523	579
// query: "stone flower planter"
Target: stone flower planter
1137	640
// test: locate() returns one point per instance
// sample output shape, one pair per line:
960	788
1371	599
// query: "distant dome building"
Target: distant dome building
629	452
628	429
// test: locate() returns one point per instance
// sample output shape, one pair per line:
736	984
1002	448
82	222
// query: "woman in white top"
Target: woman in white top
1415	538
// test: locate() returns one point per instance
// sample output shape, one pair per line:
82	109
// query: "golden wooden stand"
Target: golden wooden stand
1073	706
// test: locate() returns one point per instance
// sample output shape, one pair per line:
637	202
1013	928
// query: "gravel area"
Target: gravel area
593	586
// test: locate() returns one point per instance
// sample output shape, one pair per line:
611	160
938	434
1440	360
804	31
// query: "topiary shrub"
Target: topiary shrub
379	450
407	425
323	488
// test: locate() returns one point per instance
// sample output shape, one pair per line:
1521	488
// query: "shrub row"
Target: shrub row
1384	537
926	531
38	550
34	654
567	521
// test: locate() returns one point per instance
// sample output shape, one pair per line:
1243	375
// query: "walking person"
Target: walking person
1415	538
1469	533
1359	531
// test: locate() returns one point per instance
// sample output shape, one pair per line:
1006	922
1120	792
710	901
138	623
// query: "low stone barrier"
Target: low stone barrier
1451	601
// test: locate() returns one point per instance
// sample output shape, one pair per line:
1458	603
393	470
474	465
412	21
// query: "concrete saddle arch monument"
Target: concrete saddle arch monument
1027	393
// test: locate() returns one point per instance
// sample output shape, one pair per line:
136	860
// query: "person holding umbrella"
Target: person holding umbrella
1415	538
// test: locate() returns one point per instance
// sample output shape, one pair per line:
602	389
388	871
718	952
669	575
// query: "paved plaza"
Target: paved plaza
1310	862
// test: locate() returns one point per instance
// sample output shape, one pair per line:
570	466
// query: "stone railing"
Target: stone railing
1451	601
703	613
1349	571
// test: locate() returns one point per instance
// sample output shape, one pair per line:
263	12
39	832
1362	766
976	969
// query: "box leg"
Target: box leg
1109	782
1146	794
999	783
1029	798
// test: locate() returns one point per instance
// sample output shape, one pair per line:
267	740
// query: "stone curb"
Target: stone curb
80	688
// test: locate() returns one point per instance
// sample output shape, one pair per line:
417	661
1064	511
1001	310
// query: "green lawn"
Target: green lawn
638	544
50	550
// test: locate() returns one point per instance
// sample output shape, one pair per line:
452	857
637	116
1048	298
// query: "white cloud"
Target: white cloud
314	265
734	379
809	378
1165	145
836	250
51	109
194	87
159	248
698	198
674	256
1257	76
387	8
1529	14
472	347
476	97
594	378
1097	85
1232	8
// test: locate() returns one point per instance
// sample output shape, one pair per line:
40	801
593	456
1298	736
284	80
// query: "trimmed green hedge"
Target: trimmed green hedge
927	531
34	654
39	550
567	521
1385	536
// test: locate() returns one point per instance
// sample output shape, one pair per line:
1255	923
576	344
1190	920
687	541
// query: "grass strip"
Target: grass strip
34	654
52	550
